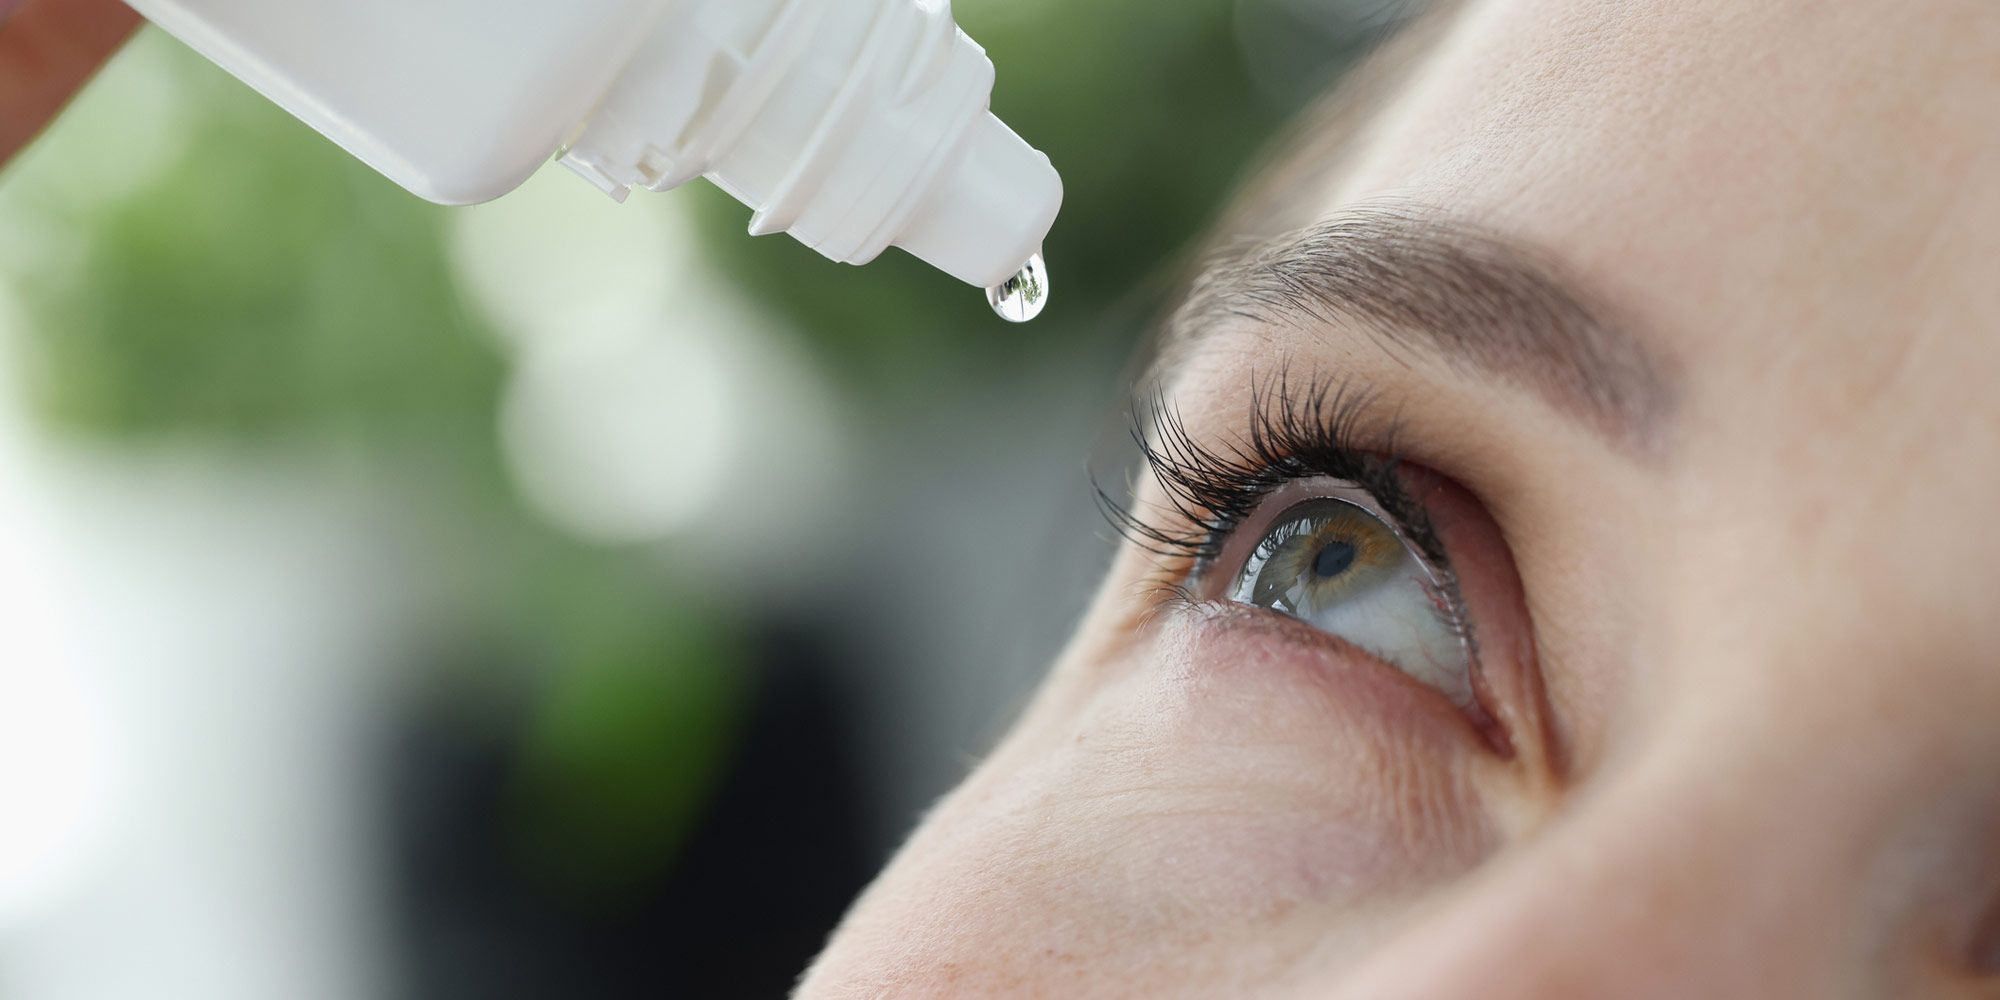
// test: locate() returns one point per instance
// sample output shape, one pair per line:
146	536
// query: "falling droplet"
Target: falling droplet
1021	297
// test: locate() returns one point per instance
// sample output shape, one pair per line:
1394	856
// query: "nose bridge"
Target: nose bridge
1680	878
1742	842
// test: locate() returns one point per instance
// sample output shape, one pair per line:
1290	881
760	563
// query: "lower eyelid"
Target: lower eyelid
1241	637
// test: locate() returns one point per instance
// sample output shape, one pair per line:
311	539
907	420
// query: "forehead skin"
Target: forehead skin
1732	169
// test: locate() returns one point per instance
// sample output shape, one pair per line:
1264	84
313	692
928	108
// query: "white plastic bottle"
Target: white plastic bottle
853	125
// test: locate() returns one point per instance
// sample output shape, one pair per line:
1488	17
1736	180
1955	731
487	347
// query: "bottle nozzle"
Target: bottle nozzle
988	211
850	124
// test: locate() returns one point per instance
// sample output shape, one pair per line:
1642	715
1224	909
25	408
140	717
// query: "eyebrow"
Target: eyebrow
1422	284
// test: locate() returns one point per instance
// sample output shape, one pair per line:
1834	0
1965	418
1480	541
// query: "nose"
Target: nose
1680	879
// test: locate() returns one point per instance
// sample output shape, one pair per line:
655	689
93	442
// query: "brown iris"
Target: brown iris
1320	553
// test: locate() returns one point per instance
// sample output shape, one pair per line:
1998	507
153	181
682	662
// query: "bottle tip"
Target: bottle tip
988	210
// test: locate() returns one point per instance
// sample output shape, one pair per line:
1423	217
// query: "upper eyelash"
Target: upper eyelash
1295	432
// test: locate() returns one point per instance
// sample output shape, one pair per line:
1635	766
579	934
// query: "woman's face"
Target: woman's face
1569	564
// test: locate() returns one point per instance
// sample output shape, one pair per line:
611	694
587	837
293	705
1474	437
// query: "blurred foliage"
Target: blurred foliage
262	291
257	289
259	286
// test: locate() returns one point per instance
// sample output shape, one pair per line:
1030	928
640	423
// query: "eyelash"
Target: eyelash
1294	433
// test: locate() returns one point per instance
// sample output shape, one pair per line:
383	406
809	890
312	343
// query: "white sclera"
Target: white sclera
1392	617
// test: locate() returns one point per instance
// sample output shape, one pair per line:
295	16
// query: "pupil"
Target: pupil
1333	560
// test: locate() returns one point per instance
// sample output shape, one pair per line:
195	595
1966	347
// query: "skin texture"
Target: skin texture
1751	673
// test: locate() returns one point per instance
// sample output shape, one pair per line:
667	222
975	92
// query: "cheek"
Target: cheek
1215	807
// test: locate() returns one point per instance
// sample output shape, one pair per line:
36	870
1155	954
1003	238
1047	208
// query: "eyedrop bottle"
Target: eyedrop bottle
853	125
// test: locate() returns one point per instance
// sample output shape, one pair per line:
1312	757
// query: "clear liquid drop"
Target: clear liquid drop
1021	297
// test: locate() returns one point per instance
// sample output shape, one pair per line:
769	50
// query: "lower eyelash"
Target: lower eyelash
1294	432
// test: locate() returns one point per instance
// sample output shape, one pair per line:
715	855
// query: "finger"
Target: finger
49	49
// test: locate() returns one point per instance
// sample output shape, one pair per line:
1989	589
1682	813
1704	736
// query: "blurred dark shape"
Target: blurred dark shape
736	909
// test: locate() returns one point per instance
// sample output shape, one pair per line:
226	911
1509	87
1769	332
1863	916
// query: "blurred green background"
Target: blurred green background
605	590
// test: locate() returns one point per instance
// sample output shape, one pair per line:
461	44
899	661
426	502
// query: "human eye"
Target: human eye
1333	559
1312	514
